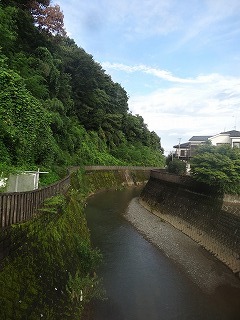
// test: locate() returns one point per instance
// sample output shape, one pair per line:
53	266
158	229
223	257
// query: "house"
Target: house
186	150
229	137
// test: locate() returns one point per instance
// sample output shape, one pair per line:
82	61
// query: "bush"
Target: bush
218	166
177	166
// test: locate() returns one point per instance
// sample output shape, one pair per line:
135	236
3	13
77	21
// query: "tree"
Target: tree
25	133
218	166
8	29
177	166
52	78
170	158
48	18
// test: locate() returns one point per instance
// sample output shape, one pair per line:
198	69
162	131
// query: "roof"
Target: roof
199	138
232	133
182	145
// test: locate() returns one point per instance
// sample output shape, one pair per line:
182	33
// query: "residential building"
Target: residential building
229	137
185	151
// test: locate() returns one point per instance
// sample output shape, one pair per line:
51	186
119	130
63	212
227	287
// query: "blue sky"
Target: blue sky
179	61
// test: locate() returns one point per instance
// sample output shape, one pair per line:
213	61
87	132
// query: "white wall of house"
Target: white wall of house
218	139
188	149
236	142
225	138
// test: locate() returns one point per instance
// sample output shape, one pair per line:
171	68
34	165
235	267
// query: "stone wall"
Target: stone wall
210	219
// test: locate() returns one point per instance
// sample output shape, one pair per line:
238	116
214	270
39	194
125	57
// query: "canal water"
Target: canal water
141	283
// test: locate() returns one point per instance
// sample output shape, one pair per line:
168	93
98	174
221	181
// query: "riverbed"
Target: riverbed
145	274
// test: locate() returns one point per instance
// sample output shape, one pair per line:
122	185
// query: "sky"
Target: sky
179	61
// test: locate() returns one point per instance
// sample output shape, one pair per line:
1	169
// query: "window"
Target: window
221	144
236	144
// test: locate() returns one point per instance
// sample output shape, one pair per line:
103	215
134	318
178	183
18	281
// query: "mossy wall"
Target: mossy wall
50	269
97	180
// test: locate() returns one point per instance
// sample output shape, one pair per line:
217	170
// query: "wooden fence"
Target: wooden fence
21	206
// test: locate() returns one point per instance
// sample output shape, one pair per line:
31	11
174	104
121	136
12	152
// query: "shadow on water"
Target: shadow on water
140	281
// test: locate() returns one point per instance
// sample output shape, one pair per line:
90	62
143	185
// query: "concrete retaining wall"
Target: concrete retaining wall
211	220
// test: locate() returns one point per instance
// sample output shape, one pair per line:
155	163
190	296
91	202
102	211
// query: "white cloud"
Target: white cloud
204	104
163	74
200	104
210	21
221	98
224	81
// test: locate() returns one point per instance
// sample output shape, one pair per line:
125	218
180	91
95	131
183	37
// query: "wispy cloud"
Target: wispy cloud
189	37
149	18
163	74
187	110
168	76
214	21
205	104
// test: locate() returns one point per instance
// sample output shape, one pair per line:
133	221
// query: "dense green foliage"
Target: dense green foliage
25	132
50	271
51	265
57	105
58	108
176	166
218	166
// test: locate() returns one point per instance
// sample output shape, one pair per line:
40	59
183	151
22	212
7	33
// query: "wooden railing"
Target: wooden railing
22	206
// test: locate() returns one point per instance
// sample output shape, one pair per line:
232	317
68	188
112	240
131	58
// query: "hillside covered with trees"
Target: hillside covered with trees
58	107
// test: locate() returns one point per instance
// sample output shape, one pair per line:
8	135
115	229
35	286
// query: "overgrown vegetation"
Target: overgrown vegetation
218	166
50	271
58	107
175	165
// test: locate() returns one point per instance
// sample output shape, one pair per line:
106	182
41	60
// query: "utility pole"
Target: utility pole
235	124
179	141
235	121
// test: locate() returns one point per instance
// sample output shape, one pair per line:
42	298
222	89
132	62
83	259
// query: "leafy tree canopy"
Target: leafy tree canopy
48	18
176	166
24	130
218	166
58	107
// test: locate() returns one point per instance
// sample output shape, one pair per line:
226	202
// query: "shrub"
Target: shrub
177	166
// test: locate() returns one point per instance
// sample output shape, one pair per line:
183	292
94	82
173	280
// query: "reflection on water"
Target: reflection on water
141	282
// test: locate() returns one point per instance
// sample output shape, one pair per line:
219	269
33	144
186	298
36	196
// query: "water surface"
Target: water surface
141	282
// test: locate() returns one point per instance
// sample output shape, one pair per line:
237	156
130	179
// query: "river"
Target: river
141	282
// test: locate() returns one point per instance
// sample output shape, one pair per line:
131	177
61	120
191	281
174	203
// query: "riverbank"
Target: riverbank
208	273
49	266
207	217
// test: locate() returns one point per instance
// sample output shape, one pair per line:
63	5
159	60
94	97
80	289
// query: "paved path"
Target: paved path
201	266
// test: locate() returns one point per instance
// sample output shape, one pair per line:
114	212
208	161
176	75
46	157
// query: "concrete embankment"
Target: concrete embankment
210	220
201	266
